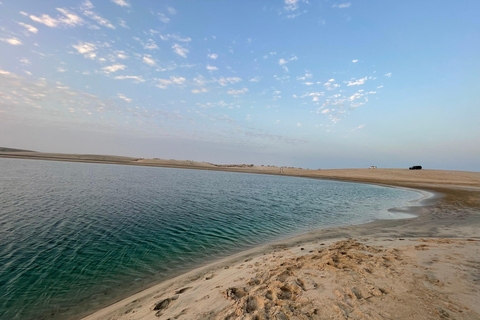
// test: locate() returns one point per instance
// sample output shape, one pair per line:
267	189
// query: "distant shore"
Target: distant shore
418	268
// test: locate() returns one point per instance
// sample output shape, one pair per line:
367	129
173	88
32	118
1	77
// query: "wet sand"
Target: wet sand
418	268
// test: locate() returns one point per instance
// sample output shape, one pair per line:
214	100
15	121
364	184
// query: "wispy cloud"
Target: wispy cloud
236	92
124	98
331	85
13	41
356	82
355	61
229	80
181	51
113	68
388	75
197	91
211	68
148	60
87	7
87	49
29	27
175	37
137	79
359	127
150	45
66	19
342	5
164	83
212	56
121	3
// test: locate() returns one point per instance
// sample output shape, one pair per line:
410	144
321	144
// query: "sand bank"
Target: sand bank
419	268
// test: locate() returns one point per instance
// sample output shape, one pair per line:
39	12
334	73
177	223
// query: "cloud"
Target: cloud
355	82
359	127
168	36
291	5
87	6
150	45
355	96
240	91
211	68
255	79
212	56
163	17
87	49
13	41
123	23
299	124
331	85
225	81
388	75
148	60
137	79
121	3
355	61
178	80
113	68
121	55
100	20
181	51
342	5
67	19
282	62
197	91
164	83
307	75
25	61
29	28
171	10
121	96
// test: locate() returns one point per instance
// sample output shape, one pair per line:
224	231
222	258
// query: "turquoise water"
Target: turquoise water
76	236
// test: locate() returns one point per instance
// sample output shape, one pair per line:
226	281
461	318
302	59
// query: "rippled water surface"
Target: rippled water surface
75	236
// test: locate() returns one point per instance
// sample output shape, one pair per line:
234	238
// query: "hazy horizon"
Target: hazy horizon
312	84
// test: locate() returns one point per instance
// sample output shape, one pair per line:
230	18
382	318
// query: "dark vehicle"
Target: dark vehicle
415	168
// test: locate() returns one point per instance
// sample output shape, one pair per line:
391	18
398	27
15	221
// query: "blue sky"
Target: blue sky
314	84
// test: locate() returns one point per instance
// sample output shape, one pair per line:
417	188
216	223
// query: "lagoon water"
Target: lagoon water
76	236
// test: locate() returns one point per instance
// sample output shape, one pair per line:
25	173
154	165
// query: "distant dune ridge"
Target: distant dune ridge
418	268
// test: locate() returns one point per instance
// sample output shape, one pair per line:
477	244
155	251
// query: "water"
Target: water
75	236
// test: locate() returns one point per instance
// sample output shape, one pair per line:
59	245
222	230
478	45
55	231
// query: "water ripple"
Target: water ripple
76	236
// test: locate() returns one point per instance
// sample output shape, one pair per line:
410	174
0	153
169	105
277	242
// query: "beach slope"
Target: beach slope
419	268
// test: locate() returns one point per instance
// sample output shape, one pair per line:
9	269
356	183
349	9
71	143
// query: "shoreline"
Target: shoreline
245	286
378	234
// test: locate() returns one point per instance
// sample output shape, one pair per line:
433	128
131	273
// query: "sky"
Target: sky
313	84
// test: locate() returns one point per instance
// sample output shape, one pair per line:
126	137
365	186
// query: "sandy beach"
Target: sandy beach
418	268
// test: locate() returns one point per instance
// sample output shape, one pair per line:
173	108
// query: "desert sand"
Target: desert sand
425	267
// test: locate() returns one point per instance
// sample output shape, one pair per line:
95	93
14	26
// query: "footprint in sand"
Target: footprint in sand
182	290
163	305
210	276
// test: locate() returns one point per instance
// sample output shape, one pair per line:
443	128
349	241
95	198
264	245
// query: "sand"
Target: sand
425	267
